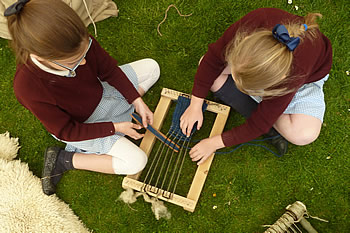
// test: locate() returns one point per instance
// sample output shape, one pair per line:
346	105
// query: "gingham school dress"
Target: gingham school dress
308	100
113	107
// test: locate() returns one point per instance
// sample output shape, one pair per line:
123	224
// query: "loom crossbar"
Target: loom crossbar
188	203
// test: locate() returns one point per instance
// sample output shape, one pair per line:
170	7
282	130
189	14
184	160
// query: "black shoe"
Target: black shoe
279	142
50	159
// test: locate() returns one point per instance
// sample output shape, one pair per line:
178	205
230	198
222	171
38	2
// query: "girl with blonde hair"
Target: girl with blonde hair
270	66
77	91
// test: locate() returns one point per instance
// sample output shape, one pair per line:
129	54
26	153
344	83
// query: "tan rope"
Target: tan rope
92	21
46	177
295	213
166	15
317	218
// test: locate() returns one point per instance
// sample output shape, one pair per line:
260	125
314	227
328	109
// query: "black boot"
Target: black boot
279	142
56	162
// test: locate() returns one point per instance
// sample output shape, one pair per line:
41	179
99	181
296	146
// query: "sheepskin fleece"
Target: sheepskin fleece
25	208
8	146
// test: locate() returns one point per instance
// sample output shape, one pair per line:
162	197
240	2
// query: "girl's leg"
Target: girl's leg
93	162
219	82
147	71
245	105
299	129
302	120
231	96
221	79
125	158
58	161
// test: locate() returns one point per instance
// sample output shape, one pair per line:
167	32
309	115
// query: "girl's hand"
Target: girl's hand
128	128
142	109
202	150
192	115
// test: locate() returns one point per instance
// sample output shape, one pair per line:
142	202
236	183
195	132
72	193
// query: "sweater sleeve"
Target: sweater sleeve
54	119
260	122
108	71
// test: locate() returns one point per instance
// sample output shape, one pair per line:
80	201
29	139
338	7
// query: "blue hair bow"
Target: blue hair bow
281	34
15	8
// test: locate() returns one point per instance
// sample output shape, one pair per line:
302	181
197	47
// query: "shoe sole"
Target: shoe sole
50	158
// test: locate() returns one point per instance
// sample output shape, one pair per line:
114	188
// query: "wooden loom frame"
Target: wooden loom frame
188	203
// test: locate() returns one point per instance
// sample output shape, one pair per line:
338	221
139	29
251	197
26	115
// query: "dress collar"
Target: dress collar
49	70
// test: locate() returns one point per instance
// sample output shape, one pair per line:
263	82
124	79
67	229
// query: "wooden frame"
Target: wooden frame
188	203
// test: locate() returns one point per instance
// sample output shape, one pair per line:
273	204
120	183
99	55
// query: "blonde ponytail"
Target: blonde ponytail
260	64
297	29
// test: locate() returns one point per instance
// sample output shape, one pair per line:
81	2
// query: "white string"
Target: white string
93	23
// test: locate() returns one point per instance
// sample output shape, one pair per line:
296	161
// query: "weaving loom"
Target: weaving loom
158	182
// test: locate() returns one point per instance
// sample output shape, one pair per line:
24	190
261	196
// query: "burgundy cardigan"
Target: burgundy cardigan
62	104
312	60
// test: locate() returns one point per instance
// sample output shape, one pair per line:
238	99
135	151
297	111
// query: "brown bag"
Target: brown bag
98	10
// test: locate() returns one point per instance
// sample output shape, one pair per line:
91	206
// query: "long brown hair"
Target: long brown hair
49	29
260	64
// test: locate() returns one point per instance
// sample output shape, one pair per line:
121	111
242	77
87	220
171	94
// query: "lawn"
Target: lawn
250	187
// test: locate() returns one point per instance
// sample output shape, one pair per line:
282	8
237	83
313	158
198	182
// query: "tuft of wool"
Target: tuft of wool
128	196
8	146
158	208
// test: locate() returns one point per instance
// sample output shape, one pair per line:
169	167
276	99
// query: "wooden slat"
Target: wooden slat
203	169
212	106
176	199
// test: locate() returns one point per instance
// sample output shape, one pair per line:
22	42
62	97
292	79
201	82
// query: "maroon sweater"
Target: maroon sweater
62	104
312	61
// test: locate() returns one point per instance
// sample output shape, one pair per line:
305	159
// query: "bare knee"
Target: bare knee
298	129
304	136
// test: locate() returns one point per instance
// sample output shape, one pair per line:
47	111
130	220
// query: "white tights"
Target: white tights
127	158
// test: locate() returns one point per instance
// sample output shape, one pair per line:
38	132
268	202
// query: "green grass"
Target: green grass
257	184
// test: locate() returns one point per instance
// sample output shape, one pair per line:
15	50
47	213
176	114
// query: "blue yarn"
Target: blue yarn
181	105
158	135
249	144
175	131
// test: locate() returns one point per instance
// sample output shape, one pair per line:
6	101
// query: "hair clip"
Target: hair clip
281	34
15	8
305	26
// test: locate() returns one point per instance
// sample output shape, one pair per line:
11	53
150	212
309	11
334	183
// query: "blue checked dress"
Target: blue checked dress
113	107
